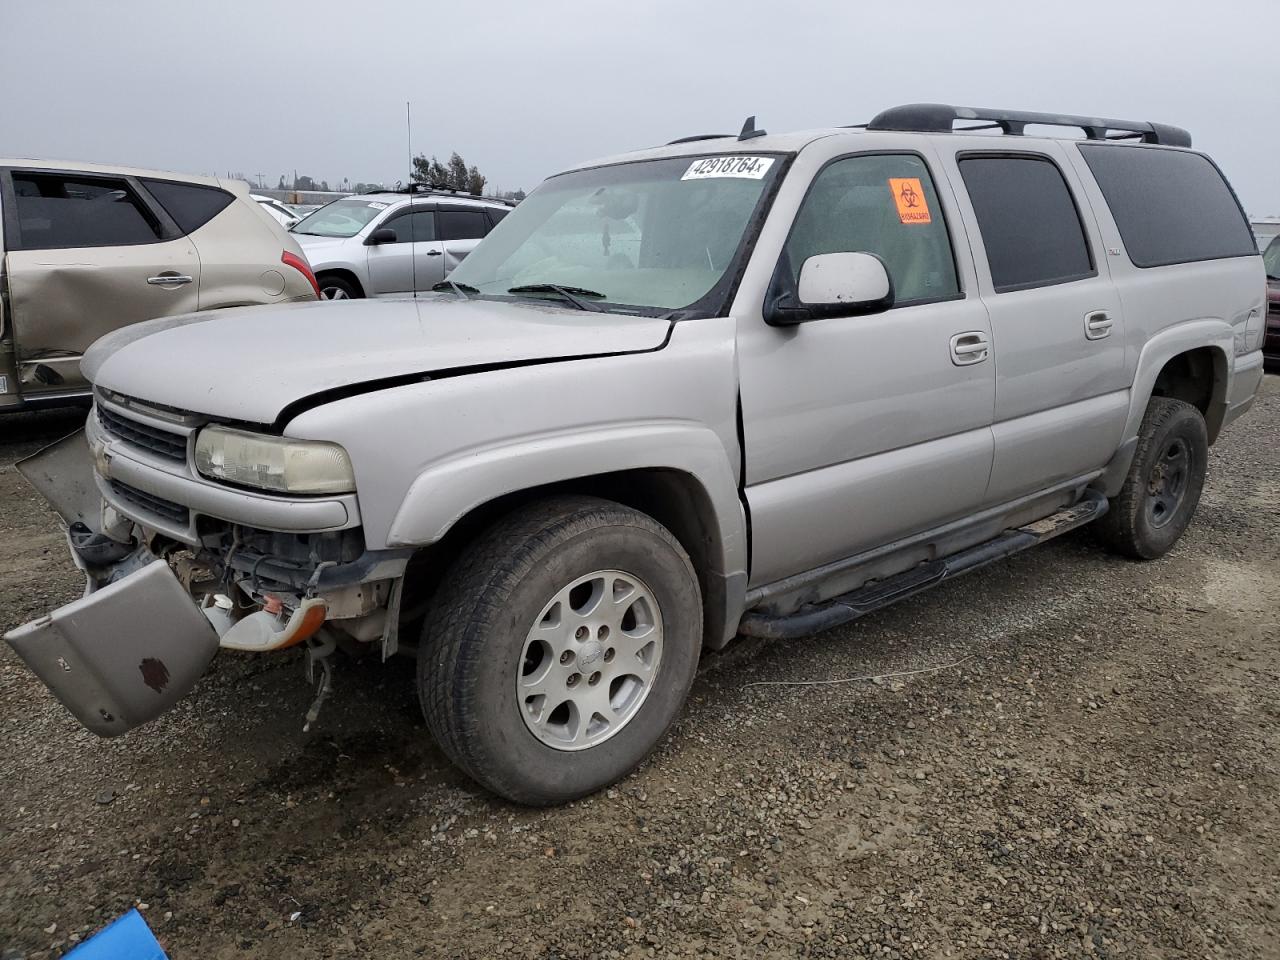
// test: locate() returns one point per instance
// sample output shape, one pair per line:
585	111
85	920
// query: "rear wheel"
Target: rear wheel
1165	480
336	288
560	649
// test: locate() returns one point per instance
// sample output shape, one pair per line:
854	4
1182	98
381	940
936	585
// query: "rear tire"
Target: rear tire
560	648
1160	494
336	288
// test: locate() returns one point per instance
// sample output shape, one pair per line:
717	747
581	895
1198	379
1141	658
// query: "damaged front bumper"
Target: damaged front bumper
156	610
123	654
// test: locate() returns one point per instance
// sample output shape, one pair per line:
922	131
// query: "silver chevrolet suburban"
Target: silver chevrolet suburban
749	384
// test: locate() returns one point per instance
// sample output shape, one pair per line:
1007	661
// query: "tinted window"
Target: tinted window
58	211
884	205
191	205
1170	206
495	216
414	227
461	224
1029	223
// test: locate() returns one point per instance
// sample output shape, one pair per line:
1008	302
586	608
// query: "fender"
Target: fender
1156	352
450	489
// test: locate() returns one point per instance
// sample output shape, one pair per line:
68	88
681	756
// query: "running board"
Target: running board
816	617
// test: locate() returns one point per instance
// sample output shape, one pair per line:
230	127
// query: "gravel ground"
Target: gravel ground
1098	777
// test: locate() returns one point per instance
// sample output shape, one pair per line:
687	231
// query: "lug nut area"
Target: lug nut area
594	679
603	634
573	680
581	633
566	657
608	655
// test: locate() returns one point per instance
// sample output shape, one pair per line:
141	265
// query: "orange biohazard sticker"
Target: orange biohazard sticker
909	197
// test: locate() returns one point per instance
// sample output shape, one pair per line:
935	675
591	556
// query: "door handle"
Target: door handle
433	253
169	280
970	347
1097	325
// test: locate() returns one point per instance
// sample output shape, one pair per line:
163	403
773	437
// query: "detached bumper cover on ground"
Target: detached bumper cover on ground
121	655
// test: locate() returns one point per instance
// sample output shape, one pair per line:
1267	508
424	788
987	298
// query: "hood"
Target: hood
250	363
319	249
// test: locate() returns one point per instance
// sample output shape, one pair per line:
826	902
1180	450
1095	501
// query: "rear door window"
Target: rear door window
1030	225
58	211
1171	206
461	224
495	217
191	205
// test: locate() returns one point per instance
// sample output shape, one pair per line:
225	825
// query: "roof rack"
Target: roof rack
440	189
941	117
749	132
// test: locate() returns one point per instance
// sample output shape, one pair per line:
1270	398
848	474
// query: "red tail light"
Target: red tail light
295	261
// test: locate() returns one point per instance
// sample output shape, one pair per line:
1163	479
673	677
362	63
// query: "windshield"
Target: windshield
657	234
342	218
1271	257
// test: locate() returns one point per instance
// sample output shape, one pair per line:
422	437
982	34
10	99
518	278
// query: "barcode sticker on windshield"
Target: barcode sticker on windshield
748	168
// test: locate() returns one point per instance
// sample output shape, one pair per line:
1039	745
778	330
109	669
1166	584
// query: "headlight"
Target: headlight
273	463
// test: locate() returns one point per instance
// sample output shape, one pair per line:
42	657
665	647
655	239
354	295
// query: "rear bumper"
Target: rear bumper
1245	380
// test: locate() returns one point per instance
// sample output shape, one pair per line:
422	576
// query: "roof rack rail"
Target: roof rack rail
440	189
700	136
941	117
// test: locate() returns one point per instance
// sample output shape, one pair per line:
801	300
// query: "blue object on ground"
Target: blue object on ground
126	938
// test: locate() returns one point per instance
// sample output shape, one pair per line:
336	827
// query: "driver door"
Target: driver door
861	430
413	261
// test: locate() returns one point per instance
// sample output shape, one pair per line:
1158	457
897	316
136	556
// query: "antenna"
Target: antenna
413	229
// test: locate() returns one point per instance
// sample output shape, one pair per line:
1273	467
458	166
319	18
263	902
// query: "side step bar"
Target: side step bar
816	617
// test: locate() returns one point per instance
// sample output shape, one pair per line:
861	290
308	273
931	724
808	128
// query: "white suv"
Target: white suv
385	244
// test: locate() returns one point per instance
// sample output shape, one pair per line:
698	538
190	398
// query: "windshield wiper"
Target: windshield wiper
573	295
461	289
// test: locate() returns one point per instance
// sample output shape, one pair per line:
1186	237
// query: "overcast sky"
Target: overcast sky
524	89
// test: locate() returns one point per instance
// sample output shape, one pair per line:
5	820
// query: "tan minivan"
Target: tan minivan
88	248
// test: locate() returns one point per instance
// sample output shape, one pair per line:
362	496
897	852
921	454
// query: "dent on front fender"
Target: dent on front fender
123	654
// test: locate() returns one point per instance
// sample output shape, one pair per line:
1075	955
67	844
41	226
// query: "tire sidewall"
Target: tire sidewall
508	753
1188	425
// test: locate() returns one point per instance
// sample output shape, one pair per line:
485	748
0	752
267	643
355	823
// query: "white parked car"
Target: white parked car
394	242
282	213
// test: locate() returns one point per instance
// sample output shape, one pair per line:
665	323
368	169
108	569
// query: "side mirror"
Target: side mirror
835	285
381	235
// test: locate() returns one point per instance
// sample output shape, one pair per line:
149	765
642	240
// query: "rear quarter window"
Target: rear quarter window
191	205
1171	206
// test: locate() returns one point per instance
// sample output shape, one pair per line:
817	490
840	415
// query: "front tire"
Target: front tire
1160	494
336	288
560	649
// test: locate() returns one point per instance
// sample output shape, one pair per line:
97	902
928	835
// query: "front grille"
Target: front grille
171	446
167	509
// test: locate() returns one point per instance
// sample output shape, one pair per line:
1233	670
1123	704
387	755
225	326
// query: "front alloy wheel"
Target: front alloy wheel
590	660
560	648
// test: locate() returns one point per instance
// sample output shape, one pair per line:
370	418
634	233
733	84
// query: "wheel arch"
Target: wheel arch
342	273
691	490
1189	362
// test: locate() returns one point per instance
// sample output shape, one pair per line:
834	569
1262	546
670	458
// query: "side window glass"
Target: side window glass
414	227
460	224
1030	226
56	211
191	205
495	217
884	205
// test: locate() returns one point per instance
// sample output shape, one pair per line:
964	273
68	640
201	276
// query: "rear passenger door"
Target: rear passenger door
1056	320
461	228
86	254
